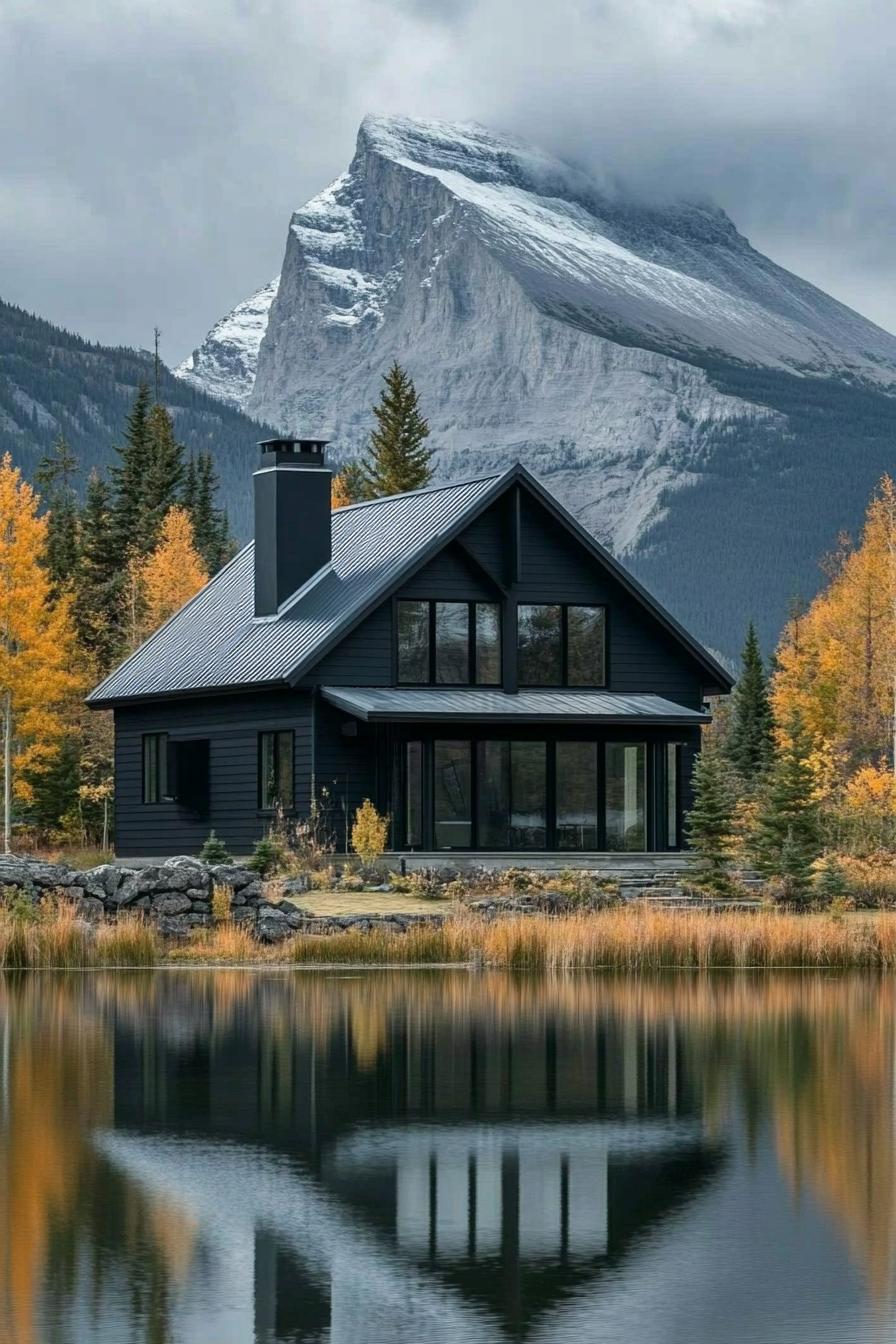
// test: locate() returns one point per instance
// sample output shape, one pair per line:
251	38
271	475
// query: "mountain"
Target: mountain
709	415
53	382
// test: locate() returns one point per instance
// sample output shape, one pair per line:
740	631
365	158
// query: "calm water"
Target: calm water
230	1157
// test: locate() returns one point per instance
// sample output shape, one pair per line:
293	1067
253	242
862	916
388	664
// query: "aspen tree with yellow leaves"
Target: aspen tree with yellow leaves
172	574
37	645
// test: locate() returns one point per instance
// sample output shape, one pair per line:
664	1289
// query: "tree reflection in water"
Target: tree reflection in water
489	1147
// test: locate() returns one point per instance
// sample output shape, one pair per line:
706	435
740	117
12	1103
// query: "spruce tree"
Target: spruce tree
749	742
56	472
398	458
164	476
129	530
710	822
99	596
349	486
786	840
211	527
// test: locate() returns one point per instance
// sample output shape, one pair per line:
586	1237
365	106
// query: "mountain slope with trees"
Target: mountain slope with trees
55	383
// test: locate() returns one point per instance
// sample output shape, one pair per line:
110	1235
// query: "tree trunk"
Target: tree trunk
7	772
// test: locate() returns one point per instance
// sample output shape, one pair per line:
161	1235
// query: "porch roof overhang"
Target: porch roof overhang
414	704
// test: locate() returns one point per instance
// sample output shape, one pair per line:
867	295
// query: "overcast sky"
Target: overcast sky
153	150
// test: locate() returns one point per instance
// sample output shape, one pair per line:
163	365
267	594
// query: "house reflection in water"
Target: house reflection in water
456	1174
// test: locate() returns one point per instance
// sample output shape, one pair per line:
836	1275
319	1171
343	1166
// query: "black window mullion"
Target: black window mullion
432	643
551	790
471	643
601	796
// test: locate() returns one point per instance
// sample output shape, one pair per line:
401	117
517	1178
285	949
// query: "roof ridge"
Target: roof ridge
428	489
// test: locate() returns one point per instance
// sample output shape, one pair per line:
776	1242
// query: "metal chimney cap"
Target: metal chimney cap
299	452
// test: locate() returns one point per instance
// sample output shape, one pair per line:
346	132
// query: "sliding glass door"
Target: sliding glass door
511	780
625	792
452	795
576	794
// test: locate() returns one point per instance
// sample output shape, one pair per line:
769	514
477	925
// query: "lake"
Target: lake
242	1157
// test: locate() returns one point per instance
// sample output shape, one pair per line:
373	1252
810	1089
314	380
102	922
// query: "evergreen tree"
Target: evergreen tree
130	530
786	841
211	528
161	489
56	472
99	598
710	823
398	458
749	742
188	492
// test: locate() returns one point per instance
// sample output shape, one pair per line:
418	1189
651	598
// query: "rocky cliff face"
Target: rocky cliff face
601	342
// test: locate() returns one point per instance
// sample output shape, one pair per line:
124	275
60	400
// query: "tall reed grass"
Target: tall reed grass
55	937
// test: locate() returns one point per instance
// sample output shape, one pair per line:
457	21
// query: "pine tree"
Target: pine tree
37	648
348	486
161	488
129	528
173	573
188	492
211	528
99	596
749	742
710	822
56	472
398	458
786	841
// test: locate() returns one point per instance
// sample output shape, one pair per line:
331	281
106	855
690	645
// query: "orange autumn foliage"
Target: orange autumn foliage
38	675
173	573
339	495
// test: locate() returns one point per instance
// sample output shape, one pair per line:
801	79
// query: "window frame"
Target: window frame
159	769
564	681
471	603
276	734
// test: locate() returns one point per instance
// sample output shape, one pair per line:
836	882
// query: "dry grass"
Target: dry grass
226	943
366	903
621	939
54	936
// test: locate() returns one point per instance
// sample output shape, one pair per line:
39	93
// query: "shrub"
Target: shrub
370	832
268	857
214	850
222	903
830	881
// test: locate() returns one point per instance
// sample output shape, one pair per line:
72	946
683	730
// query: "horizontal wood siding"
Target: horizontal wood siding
449	576
364	658
232	725
347	768
486	539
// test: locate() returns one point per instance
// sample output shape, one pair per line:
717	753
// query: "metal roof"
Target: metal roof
215	641
374	704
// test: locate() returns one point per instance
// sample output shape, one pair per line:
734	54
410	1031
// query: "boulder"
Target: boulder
51	874
178	926
15	873
231	875
171	903
90	908
104	880
295	886
273	925
244	914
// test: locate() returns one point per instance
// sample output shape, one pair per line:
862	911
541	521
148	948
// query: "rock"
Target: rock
15	873
253	892
244	914
297	885
104	880
171	903
91	908
51	875
273	925
200	907
178	926
231	875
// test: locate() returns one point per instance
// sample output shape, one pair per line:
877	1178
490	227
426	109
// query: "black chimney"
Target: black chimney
292	519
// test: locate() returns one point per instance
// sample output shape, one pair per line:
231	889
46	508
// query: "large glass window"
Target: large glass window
577	795
413	641
540	645
414	796
673	794
528	795
488	644
155	767
275	770
452	643
493	780
626	793
452	795
585	646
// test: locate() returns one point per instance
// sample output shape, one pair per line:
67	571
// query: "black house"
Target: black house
466	656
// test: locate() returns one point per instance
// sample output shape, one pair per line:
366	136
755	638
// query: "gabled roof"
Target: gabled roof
215	642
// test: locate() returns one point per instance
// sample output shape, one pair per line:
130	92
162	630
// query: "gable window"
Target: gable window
275	770
561	645
449	643
155	767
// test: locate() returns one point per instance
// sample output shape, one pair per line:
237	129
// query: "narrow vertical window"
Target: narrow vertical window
625	792
673	794
540	641
155	767
452	643
488	644
413	827
528	795
413	642
577	795
452	795
275	770
585	653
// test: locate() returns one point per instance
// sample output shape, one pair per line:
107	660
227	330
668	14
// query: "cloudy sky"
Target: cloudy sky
154	149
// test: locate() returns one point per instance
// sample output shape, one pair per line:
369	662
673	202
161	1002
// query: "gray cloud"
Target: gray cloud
153	151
